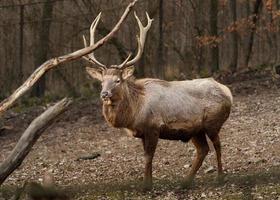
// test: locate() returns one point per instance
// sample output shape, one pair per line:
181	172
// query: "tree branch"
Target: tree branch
41	70
30	136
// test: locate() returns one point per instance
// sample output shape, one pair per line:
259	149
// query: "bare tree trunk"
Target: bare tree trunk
257	8
214	32
198	26
160	64
21	25
271	38
41	53
148	64
234	35
29	137
277	36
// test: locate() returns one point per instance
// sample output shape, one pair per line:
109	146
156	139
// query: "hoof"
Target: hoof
187	184
147	186
221	178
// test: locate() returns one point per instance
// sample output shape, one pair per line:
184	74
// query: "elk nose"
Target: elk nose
104	95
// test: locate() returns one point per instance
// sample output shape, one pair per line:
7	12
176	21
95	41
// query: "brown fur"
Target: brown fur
153	109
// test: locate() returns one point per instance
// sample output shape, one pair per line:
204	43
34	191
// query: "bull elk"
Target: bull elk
153	109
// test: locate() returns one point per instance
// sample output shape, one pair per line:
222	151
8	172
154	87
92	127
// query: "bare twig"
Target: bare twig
29	137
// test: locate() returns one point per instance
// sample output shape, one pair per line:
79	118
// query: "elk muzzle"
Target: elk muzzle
105	95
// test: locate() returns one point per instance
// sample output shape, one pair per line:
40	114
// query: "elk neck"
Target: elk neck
122	114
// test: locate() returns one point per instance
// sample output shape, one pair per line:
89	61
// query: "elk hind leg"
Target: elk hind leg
202	150
217	145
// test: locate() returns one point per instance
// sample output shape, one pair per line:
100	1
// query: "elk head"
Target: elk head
114	77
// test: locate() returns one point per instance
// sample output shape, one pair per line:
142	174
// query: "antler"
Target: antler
140	40
90	57
124	62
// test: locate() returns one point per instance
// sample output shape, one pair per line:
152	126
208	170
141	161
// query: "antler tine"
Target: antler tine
124	62
141	38
93	28
91	58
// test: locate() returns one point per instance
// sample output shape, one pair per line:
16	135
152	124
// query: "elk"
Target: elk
153	109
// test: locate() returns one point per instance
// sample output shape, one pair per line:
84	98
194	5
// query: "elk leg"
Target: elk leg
217	145
149	143
202	150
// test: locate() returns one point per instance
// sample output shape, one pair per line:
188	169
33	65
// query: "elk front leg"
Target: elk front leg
150	141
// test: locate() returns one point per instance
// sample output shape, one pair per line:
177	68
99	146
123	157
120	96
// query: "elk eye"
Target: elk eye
118	80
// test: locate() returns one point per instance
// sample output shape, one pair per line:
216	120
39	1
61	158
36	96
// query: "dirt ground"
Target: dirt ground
250	153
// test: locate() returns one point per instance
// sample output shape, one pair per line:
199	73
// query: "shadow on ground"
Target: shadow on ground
243	182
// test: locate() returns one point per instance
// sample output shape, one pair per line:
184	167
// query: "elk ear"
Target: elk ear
127	72
95	73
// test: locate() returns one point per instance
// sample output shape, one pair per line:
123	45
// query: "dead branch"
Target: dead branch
40	71
29	137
